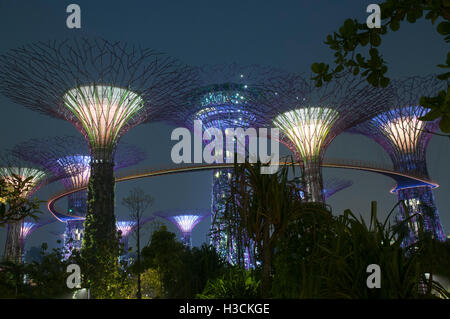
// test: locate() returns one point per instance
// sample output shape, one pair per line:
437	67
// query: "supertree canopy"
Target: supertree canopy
185	221
25	178
228	97
405	138
310	117
14	170
103	88
28	228
69	156
126	227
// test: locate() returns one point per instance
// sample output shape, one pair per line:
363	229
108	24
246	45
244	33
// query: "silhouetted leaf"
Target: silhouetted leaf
395	25
444	125
444	28
431	116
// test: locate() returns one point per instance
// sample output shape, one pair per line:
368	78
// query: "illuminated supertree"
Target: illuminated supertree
126	227
310	117
104	89
228	97
69	156
26	178
28	228
405	138
185	221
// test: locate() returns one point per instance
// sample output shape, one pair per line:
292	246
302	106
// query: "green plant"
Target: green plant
137	202
100	247
350	42
236	283
14	205
331	261
258	210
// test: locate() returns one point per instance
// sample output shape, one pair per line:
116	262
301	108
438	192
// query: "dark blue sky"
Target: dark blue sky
285	34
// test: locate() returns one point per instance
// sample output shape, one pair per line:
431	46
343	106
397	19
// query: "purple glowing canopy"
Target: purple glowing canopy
126	227
399	130
334	185
227	96
185	220
29	227
405	138
69	156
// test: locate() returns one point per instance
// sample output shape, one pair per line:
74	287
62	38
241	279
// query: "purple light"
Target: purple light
78	168
186	223
27	229
405	138
126	227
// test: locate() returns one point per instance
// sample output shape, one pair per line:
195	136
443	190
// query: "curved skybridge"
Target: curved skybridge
402	180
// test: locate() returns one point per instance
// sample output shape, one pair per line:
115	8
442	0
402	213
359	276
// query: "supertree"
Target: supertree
185	220
26	179
228	97
28	228
310	117
126	227
405	138
69	156
104	89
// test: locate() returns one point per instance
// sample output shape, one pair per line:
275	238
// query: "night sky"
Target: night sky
283	34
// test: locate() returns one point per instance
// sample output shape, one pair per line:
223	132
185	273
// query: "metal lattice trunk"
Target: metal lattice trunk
420	201
405	138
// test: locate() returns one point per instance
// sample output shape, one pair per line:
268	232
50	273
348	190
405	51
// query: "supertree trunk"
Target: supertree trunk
13	246
100	249
312	181
220	193
73	236
420	202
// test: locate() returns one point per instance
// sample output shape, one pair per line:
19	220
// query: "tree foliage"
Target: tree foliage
258	210
45	278
236	283
138	202
14	204
332	263
182	272
356	46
